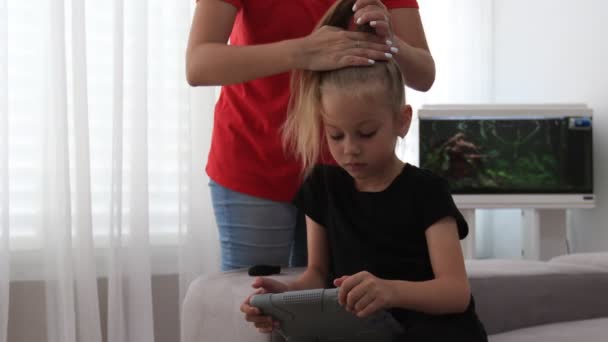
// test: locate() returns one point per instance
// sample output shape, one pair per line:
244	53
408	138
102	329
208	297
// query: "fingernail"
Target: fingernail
388	42
394	50
359	21
371	61
388	55
354	7
372	23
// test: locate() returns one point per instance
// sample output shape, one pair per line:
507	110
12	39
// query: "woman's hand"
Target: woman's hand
376	14
263	323
363	293
329	48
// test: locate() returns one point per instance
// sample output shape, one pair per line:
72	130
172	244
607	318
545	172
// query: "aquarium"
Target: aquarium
509	149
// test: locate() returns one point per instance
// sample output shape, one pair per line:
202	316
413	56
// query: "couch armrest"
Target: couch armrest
211	308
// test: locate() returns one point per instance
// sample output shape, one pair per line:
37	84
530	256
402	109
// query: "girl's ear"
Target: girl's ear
404	121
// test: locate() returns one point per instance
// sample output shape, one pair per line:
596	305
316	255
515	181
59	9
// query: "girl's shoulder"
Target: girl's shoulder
421	177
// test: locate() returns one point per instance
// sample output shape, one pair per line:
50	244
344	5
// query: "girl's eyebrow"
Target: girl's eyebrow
365	122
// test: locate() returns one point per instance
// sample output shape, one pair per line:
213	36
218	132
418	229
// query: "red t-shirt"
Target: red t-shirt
247	153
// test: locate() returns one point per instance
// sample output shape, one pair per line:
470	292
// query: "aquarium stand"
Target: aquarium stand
544	220
544	234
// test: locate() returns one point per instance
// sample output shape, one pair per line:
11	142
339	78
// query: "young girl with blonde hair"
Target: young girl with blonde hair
386	233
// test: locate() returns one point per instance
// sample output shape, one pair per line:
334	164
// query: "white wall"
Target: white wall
557	51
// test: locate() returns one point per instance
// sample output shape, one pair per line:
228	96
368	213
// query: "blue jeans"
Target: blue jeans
257	231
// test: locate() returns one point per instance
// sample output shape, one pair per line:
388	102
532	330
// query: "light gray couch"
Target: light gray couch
563	300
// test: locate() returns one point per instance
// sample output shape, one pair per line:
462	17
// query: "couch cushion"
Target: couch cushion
599	259
514	294
593	330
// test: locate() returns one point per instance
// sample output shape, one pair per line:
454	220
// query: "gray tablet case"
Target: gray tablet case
316	316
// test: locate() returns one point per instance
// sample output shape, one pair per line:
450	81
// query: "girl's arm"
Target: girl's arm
449	292
210	61
317	270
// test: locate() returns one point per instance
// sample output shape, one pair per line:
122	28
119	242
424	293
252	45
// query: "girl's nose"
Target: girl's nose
351	148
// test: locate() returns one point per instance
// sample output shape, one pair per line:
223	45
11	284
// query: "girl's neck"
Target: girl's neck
383	180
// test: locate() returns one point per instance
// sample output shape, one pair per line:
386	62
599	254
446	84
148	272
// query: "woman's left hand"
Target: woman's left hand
376	14
363	293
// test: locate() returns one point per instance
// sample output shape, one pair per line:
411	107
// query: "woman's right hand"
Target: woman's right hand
264	323
329	48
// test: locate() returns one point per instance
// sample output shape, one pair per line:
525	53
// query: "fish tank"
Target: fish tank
509	149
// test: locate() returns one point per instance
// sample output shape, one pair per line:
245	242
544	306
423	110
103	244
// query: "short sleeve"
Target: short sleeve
311	197
400	3
434	202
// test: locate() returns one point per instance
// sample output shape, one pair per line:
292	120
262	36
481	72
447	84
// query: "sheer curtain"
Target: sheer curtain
103	147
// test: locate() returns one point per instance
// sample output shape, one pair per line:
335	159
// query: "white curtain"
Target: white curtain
102	153
4	181
103	147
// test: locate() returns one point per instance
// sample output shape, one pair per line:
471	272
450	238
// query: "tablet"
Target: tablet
316	316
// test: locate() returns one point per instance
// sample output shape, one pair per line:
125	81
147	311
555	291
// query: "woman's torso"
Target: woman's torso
247	153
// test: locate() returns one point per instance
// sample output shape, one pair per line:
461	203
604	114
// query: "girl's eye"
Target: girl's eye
336	137
367	135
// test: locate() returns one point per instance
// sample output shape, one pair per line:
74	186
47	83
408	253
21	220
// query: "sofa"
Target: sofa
561	300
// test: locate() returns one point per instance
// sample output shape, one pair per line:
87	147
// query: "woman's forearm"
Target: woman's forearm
437	296
221	64
417	65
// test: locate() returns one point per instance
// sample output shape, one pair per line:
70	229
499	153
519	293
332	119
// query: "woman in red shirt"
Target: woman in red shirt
252	178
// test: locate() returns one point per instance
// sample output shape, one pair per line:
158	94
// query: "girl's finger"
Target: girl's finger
363	302
250	310
369	309
258	319
265	330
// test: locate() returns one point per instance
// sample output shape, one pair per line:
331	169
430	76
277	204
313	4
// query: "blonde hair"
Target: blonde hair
302	132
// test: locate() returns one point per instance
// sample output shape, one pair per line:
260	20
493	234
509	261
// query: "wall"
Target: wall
556	51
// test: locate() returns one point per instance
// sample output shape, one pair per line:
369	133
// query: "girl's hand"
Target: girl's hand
264	323
376	14
363	293
329	48
269	285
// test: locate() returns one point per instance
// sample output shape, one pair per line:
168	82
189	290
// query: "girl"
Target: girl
386	233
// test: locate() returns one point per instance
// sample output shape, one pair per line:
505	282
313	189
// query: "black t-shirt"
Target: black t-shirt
384	233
